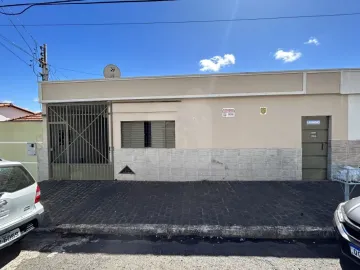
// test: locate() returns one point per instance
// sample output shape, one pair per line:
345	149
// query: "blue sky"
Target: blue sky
150	50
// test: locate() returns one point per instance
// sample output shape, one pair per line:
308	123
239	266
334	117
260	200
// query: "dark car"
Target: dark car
347	228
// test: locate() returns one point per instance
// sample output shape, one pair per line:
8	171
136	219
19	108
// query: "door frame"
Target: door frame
329	138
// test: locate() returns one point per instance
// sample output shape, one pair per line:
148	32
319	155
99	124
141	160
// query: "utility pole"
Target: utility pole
43	63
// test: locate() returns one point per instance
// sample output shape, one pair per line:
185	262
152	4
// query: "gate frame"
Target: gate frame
109	112
66	144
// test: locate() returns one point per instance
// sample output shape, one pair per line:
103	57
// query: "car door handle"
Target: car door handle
3	203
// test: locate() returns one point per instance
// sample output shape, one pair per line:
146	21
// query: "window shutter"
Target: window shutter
158	134
161	134
169	134
132	134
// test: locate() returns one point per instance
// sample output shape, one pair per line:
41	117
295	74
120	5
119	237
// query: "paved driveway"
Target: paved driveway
281	203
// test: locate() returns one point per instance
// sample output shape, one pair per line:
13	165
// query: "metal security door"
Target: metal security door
86	153
58	143
315	147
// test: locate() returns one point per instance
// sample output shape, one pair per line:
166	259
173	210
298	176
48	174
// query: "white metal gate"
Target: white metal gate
79	141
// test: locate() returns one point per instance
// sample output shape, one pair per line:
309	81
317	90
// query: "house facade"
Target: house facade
19	139
10	111
289	125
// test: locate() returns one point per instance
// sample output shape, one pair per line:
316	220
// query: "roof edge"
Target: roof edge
25	118
7	105
202	75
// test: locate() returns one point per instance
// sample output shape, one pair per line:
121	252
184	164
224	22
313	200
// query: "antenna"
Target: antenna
111	71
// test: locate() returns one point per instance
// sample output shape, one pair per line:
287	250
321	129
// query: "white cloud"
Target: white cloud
313	40
6	101
287	56
36	99
217	62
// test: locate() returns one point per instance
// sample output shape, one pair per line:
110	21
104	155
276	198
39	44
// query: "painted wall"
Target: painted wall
209	146
347	152
350	82
10	112
323	83
42	151
190	86
354	117
199	122
13	139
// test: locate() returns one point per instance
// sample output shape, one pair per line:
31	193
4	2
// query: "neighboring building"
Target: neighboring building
33	117
288	125
10	111
19	139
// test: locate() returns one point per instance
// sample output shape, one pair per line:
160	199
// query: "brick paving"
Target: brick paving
275	203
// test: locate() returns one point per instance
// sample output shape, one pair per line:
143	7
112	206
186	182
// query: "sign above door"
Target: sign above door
313	122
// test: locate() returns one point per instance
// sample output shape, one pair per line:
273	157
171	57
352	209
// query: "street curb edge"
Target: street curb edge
250	232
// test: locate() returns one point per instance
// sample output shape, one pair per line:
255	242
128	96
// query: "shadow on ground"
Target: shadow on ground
178	246
9	254
182	246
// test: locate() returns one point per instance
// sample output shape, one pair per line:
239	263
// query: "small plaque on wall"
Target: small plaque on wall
31	149
263	110
228	112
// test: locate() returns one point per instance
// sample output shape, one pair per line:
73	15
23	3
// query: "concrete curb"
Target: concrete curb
250	232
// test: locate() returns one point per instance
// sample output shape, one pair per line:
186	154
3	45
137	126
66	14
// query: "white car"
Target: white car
20	207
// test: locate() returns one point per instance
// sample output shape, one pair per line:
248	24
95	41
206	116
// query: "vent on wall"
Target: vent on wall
126	170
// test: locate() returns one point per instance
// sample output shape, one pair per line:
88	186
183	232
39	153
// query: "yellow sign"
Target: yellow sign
263	110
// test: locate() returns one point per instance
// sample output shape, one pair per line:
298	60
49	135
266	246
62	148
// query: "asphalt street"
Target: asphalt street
54	251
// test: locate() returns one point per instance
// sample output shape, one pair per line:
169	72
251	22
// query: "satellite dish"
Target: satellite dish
111	71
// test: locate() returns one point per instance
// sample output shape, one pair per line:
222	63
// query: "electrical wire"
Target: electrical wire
15	45
34	40
21	35
34	57
74	2
40	3
24	51
77	71
57	70
53	70
61	73
192	21
30	5
53	75
22	60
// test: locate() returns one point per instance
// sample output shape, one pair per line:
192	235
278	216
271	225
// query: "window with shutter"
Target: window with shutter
132	134
144	134
169	134
158	134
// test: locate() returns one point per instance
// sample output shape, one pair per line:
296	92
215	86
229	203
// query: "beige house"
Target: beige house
289	125
10	111
19	139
